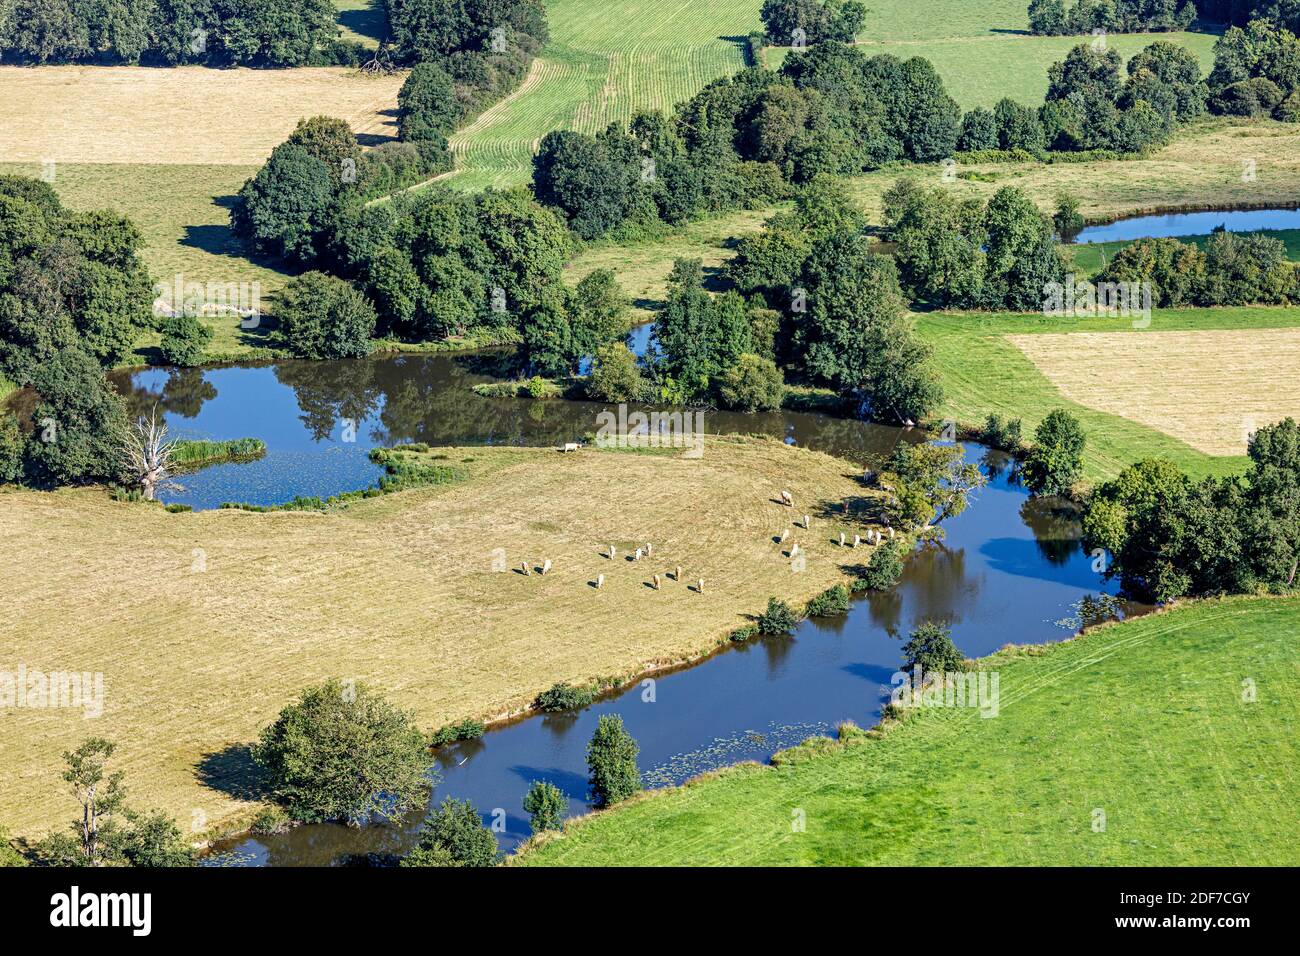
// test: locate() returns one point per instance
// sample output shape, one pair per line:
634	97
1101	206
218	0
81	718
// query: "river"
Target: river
1009	570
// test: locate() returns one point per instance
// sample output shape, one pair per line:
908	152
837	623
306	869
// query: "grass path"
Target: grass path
1145	723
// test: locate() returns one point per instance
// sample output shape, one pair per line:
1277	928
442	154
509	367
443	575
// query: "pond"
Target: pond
1010	570
320	419
1191	224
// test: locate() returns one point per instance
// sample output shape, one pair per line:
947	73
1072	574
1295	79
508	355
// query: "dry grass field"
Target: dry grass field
184	115
1210	163
201	648
1210	389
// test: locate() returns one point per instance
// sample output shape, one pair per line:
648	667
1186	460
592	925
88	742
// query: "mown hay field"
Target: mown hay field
205	625
1211	389
179	116
1128	413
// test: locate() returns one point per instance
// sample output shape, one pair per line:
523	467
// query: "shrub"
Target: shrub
883	570
1067	218
753	384
154	840
467	729
830	603
611	762
545	805
1055	462
270	819
454	835
615	375
9	855
1001	433
344	753
742	634
184	338
930	648
322	317
11	447
779	618
564	696
538	387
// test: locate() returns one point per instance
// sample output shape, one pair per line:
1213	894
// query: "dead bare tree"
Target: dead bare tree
147	454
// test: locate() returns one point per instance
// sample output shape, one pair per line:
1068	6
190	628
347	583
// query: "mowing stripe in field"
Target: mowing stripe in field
604	62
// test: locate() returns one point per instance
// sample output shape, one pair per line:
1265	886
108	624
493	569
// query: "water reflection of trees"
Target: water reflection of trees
1055	523
183	394
935	587
328	392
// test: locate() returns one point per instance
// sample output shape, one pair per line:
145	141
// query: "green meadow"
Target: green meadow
1136	744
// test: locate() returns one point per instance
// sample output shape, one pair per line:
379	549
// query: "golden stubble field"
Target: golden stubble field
181	115
199	649
1210	389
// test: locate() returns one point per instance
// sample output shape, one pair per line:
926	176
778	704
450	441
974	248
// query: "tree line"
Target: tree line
746	140
1168	536
173	32
1057	18
483	44
74	296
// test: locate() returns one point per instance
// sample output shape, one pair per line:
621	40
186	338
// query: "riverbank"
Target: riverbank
1099	755
205	624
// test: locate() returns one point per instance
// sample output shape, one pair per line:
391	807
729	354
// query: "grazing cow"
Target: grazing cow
526	569
677	576
546	565
794	551
787	499
785	534
649	549
807	522
857	540
612	552
570	446
841	539
891	534
656	582
637	557
600	581
699	585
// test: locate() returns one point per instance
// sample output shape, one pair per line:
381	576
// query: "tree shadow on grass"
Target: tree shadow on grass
232	771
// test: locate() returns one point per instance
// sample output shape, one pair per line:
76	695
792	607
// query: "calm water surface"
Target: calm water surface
1191	224
1010	570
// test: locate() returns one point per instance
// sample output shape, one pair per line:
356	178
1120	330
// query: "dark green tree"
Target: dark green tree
342	752
1055	462
611	762
545	804
321	317
454	835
